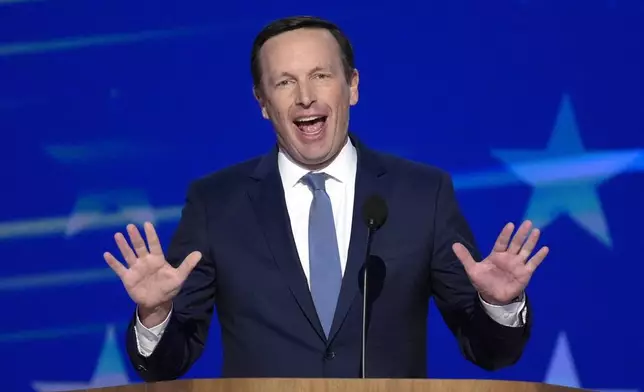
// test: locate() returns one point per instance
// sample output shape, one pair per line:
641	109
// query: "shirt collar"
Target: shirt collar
341	168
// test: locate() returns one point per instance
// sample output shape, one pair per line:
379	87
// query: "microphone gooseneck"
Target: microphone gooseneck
374	213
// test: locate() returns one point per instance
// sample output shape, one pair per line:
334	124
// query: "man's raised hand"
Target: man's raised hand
504	274
148	278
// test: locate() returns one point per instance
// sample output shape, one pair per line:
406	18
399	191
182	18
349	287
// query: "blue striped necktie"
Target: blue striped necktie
324	257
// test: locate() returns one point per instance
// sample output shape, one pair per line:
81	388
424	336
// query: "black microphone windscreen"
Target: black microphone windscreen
374	212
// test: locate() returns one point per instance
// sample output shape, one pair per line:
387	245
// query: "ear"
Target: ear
355	79
260	100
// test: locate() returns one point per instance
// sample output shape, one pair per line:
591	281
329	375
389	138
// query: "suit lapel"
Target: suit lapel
368	182
267	198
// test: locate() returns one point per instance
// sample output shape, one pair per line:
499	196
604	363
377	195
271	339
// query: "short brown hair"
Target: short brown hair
299	22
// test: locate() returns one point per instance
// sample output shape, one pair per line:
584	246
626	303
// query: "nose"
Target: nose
305	95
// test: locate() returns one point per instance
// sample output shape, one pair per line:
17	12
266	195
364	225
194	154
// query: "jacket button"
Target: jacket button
329	355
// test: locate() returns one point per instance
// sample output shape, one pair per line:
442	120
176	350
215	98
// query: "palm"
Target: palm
150	280
505	273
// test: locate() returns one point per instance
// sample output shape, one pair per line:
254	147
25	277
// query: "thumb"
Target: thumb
188	264
464	256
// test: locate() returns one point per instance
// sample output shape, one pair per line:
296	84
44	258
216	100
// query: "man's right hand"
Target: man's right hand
150	281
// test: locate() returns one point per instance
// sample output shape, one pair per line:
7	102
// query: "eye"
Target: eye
283	83
321	76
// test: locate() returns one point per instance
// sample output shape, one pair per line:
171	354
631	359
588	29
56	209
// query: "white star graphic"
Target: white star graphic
565	176
109	372
562	371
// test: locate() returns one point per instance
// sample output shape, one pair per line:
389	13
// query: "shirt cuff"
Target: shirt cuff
148	338
510	315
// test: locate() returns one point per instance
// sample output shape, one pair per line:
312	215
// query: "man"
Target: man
276	245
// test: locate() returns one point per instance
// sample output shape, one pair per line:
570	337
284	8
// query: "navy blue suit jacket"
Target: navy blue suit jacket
251	275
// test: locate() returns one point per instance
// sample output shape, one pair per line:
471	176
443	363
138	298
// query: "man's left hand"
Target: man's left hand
504	274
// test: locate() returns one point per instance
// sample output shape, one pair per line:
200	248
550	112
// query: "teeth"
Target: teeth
310	118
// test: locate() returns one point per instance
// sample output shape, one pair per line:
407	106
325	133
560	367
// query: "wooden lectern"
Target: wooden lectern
335	385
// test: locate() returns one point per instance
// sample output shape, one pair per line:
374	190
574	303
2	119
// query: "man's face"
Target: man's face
305	94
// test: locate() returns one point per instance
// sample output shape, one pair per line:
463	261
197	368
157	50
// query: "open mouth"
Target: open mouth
311	125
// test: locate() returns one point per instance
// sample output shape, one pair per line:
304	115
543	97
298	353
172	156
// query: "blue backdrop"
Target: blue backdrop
109	109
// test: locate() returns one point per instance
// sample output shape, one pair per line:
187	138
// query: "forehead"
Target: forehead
300	49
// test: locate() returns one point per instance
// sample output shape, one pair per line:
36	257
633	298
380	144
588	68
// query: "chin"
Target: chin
312	155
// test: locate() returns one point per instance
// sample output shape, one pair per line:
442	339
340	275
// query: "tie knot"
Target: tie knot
315	181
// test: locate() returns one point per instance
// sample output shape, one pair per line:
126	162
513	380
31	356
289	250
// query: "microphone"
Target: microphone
374	214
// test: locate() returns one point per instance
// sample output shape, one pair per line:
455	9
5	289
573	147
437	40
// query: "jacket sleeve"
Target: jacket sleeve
184	337
483	341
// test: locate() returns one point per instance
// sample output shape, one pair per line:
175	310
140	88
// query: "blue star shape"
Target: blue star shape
110	370
562	370
565	176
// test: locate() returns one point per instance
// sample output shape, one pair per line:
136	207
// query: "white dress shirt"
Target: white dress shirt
340	187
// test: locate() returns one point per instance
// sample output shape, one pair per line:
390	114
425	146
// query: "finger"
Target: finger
137	241
153	239
502	241
534	262
115	265
519	237
530	244
188	264
124	247
464	256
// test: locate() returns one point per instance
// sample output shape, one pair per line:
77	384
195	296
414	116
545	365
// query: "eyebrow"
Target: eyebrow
314	70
